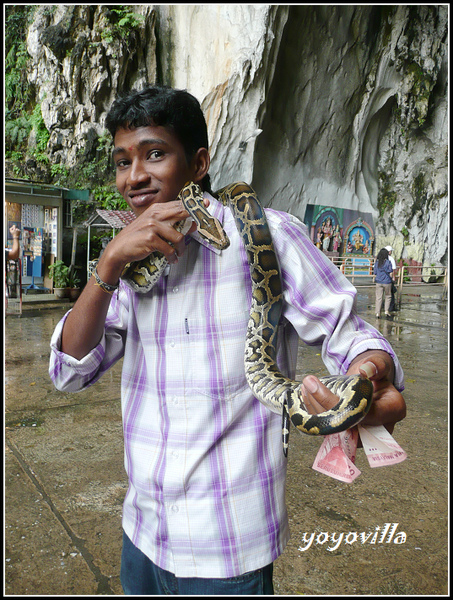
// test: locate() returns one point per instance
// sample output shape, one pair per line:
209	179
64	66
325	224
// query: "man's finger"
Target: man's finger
317	397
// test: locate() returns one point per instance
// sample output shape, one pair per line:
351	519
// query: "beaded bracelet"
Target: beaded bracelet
104	286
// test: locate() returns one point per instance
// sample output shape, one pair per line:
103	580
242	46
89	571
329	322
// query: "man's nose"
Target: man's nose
137	173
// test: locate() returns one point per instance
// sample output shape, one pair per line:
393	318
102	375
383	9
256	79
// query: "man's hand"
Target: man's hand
388	405
152	230
14	231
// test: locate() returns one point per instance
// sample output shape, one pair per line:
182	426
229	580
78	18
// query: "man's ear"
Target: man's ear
200	164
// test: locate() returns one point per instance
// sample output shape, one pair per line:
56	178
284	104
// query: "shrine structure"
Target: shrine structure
344	235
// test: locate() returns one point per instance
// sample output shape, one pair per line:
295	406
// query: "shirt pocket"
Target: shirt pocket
216	355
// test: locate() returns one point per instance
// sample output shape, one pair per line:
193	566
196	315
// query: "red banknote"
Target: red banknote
336	456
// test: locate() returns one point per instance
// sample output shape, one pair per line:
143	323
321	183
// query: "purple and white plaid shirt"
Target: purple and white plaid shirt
204	458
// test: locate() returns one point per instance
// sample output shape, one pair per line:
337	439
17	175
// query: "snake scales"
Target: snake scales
268	384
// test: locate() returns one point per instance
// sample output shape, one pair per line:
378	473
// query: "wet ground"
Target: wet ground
64	477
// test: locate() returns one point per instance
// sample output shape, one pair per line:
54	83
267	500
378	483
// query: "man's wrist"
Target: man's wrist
107	287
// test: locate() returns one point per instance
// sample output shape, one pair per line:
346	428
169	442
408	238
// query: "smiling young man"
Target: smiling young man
205	510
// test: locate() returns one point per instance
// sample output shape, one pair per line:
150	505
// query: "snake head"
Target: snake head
208	227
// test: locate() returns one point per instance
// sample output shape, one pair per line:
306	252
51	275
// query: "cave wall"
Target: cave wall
356	118
79	63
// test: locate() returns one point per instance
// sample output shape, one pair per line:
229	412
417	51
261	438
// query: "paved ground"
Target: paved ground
64	477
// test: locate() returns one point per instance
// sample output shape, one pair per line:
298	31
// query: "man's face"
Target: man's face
151	166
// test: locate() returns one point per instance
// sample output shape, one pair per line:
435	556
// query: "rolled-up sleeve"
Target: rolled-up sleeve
69	374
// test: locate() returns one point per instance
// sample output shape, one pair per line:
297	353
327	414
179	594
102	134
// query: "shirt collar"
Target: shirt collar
217	210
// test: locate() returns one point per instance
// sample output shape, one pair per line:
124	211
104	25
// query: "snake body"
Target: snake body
142	275
274	390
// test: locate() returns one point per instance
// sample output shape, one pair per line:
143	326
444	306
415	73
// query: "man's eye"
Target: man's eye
155	154
120	164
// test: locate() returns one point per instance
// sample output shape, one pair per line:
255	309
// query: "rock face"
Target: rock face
351	100
81	58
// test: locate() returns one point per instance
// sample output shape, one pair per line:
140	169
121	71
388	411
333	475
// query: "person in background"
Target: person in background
383	271
14	252
392	307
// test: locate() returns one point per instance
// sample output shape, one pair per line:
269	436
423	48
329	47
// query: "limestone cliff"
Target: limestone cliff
351	100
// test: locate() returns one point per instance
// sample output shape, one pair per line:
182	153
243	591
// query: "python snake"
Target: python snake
278	393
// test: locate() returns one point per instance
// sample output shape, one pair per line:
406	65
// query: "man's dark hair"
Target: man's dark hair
166	107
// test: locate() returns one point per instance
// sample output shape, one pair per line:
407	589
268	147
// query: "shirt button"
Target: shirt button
172	344
175	290
174	508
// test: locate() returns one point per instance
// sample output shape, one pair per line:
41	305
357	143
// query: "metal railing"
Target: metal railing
416	275
355	267
359	268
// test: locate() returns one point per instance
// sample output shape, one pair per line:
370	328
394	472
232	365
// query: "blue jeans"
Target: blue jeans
140	576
